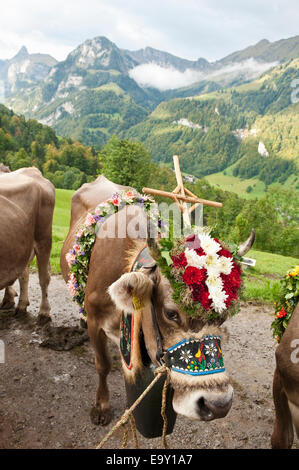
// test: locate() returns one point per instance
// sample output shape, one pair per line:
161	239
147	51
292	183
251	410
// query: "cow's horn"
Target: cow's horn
152	243
245	247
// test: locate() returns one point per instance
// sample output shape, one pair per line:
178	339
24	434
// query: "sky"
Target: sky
187	28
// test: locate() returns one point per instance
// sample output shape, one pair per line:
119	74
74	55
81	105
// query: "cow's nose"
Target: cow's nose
209	410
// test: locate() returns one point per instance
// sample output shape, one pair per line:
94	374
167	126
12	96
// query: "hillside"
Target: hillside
101	90
255	124
67	163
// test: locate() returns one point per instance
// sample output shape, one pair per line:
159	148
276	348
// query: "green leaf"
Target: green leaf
290	295
167	257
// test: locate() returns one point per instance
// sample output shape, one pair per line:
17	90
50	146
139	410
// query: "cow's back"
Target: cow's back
86	199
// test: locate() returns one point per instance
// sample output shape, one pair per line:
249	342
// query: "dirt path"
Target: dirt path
45	395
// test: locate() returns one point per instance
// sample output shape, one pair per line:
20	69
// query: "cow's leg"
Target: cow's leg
283	433
42	251
8	302
23	299
101	411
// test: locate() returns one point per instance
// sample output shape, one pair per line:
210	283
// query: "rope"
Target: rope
123	421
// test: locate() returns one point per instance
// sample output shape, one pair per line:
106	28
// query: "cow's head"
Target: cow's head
204	396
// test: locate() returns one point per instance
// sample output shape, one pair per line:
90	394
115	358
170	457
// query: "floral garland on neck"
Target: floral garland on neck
285	306
205	275
78	256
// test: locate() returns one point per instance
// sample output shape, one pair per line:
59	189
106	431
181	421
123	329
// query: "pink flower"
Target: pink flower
73	278
129	196
115	201
70	258
89	220
98	210
79	233
71	288
76	248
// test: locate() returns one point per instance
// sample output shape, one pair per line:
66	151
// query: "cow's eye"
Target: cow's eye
172	315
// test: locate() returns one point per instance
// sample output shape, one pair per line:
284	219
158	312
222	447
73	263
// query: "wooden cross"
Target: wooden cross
181	195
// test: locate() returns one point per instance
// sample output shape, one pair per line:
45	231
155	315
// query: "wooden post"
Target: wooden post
178	174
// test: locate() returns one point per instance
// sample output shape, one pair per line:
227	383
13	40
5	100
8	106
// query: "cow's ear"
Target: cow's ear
131	292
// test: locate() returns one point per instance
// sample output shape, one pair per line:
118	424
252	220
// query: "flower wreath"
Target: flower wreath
205	275
285	306
78	256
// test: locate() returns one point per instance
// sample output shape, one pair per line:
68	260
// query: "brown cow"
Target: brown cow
206	397
286	386
26	210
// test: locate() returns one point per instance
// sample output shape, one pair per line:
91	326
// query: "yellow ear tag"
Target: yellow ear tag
137	302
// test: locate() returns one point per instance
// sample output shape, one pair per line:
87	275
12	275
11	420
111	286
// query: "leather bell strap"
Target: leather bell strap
196	356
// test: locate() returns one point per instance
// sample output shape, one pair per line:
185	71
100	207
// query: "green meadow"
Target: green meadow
262	282
228	182
61	222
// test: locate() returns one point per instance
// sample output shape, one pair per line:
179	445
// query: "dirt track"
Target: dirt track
46	395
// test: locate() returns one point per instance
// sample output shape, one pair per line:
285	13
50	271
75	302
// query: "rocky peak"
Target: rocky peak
22	54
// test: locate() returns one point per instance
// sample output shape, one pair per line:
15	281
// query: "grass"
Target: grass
262	282
237	185
229	182
61	222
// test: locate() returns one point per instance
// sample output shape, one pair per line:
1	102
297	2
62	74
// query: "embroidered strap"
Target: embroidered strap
196	357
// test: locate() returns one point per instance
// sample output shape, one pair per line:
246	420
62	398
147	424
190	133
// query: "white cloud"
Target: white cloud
168	78
162	78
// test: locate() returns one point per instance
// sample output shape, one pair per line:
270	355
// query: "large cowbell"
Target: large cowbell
147	414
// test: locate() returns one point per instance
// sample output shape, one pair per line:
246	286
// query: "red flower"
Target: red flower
224	252
282	313
179	261
193	276
231	284
234	277
200	251
201	294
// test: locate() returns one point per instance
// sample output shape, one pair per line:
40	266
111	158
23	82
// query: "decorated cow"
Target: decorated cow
26	210
161	300
286	376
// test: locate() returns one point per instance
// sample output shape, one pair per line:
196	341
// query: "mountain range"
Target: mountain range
196	108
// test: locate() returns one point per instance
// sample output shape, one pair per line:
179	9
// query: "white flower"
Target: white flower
218	300
214	283
226	264
186	355
213	265
193	259
209	245
210	349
